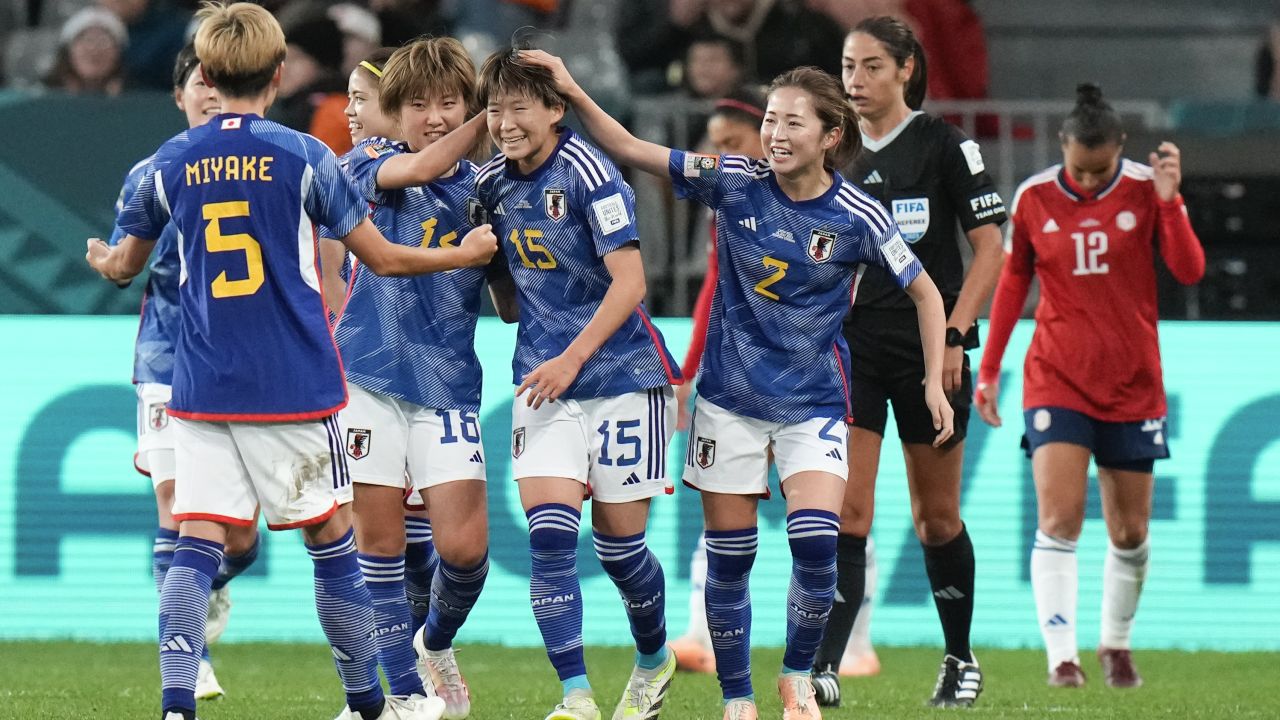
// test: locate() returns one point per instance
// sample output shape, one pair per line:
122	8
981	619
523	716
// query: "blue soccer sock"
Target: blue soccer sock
554	592
184	603
812	536
453	593
635	570
346	615
233	565
420	563
393	627
162	555
730	555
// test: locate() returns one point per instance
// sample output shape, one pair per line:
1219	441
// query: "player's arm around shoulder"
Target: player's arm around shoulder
384	257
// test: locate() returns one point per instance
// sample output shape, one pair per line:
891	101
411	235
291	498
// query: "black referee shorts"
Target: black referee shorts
887	367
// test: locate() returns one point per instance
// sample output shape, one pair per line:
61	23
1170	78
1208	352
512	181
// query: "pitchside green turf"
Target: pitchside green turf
268	681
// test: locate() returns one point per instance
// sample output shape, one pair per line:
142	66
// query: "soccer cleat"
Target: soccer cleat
826	686
642	700
740	709
959	683
1118	670
401	707
179	715
577	705
693	656
215	622
798	701
1067	675
441	677
207	687
864	665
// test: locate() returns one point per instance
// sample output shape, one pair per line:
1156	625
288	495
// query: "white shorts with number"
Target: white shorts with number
295	471
727	452
616	446
154	457
385	438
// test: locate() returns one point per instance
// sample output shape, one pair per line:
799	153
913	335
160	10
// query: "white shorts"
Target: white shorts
154	457
295	471
386	439
728	452
616	446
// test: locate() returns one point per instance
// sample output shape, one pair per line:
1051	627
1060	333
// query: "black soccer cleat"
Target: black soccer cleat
826	686
959	683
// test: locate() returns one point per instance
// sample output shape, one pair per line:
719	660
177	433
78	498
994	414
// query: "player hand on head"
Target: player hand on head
549	380
940	407
479	245
1166	164
985	398
564	81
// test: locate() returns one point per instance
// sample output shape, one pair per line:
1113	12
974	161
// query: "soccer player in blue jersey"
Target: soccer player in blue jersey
594	404
412	372
257	378
153	378
792	235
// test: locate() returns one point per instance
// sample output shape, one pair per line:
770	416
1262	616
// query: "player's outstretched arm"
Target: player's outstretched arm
419	168
613	138
625	293
932	316
387	258
119	263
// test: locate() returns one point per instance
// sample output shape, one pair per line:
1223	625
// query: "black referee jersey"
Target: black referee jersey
929	175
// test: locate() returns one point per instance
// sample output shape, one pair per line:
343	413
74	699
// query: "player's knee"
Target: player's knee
1066	526
1129	535
240	540
462	554
855	518
934	527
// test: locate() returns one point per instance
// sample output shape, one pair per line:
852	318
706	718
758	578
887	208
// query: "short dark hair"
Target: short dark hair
503	74
1093	122
184	64
735	49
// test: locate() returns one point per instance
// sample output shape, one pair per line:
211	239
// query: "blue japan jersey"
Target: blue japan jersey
554	227
413	338
158	324
245	194
774	348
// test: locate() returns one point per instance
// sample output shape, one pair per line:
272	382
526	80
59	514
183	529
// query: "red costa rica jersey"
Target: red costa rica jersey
1095	348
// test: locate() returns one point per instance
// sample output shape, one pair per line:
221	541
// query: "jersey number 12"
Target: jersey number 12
1088	251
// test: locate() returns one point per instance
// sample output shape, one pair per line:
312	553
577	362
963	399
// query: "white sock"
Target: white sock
1122	575
697	595
1055	582
860	636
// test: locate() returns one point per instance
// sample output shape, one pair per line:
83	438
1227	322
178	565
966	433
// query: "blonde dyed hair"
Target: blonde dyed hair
240	46
432	67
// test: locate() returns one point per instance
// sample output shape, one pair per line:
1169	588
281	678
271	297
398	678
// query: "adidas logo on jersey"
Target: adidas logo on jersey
748	223
835	454
632	479
1050	226
177	643
499	210
475	457
873	178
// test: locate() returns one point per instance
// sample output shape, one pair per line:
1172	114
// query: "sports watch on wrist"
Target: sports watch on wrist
955	337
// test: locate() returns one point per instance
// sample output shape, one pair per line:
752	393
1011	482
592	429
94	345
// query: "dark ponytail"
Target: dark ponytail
901	43
831	107
1093	122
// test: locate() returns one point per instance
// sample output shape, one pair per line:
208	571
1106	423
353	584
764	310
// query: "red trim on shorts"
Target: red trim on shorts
662	355
210	517
309	521
263	417
844	383
138	467
670	490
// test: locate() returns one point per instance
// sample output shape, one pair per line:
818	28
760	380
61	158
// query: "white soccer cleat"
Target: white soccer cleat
400	707
215	622
646	690
577	705
207	687
441	677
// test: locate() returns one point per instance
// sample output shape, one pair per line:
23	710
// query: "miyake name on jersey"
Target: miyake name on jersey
229	167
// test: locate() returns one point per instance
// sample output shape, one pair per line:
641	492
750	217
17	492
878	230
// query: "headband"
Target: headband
730	103
371	68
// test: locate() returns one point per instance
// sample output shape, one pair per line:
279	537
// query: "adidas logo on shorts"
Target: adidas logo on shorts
632	479
475	457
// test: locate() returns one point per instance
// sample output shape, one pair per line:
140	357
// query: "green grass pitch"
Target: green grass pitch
263	680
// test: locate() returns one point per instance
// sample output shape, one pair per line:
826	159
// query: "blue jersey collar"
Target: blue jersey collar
820	201
514	174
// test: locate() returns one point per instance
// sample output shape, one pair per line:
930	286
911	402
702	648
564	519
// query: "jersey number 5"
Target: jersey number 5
779	272
215	242
1088	250
533	254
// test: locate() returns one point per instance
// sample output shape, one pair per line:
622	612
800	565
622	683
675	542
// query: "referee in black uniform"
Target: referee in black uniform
930	177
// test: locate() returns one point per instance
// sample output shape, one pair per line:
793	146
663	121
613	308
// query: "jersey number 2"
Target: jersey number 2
779	272
1088	250
215	241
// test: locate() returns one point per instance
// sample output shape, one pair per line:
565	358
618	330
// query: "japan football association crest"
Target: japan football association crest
553	202
475	212
705	453
359	441
821	244
157	416
517	442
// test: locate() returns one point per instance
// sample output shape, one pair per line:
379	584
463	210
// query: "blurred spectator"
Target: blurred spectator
955	44
90	47
848	13
1266	79
313	90
712	67
404	20
156	34
775	35
361	33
